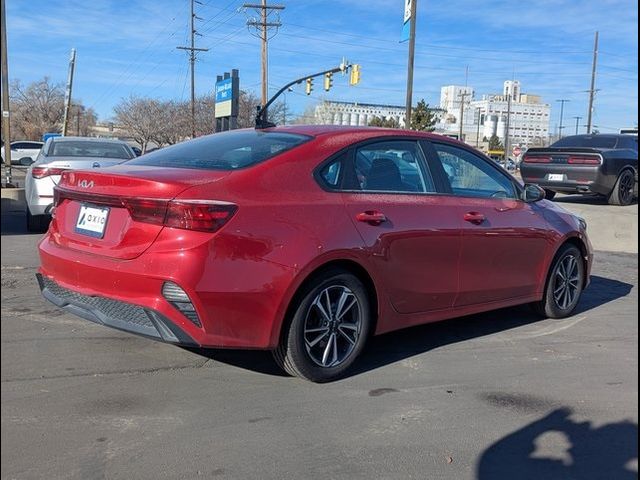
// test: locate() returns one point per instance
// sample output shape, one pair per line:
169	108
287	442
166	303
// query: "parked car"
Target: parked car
591	164
22	149
58	155
306	241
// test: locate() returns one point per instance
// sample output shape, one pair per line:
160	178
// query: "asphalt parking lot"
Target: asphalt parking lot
498	395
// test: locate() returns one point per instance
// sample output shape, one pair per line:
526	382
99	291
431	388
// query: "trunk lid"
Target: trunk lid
103	211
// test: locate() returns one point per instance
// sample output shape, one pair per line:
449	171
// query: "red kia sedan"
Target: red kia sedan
306	240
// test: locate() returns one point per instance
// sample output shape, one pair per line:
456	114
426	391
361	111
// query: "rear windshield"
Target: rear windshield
595	141
223	151
79	148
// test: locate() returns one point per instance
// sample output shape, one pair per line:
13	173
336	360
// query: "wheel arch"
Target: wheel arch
579	243
339	264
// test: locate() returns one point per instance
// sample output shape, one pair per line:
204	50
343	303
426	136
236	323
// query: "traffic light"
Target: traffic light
308	89
328	81
355	75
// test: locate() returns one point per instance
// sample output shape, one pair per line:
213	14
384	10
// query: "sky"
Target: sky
128	47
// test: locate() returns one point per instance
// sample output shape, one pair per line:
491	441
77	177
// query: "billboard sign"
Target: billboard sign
406	26
224	97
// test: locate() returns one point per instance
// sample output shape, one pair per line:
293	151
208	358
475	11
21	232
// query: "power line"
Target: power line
262	27
192	61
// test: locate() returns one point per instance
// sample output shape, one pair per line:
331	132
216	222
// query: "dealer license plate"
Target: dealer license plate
92	220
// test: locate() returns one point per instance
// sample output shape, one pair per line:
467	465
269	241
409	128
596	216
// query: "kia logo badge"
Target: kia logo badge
85	183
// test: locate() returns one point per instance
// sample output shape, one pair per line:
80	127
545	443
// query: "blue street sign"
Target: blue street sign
224	90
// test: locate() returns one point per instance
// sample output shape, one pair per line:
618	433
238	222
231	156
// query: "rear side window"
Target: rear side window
588	141
223	151
391	166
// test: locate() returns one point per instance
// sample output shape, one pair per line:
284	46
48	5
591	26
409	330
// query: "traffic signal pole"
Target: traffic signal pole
261	119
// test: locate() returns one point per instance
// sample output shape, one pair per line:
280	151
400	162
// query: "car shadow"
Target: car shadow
392	347
555	447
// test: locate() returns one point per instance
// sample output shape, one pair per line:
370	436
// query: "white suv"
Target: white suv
22	149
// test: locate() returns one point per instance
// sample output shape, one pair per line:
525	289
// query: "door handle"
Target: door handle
474	217
372	217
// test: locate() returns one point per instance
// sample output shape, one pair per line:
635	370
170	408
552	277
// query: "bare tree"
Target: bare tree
36	109
141	118
82	120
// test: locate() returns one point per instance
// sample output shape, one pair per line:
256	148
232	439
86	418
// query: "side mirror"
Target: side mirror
532	193
25	161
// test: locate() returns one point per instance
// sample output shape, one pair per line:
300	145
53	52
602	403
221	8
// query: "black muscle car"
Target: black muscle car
590	164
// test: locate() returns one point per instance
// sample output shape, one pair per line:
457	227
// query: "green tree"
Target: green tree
422	118
495	143
384	122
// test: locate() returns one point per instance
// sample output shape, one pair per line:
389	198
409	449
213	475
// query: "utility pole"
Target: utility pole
577	123
262	27
192	60
478	109
6	123
462	97
67	93
592	90
506	132
412	52
562	102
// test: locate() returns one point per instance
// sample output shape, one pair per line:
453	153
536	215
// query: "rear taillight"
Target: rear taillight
536	159
199	215
146	210
584	160
41	172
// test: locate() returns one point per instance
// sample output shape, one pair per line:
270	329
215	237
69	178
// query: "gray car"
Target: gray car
65	153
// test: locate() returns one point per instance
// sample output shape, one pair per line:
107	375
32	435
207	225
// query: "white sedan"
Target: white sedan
60	154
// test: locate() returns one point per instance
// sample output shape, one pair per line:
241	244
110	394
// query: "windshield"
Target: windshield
588	141
79	148
223	151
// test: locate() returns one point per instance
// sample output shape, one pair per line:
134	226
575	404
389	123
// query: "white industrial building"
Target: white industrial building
529	117
356	114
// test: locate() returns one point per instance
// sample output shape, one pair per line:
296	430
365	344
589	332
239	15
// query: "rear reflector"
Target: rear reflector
177	297
536	159
584	160
41	172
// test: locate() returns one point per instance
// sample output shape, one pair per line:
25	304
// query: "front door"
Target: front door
504	240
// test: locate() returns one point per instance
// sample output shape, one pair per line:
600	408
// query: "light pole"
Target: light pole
562	102
478	109
577	123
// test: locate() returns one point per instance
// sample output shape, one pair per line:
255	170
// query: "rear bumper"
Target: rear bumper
237	298
113	313
576	179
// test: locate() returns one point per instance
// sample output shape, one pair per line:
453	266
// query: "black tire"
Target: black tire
623	190
344	334
37	223
553	303
549	194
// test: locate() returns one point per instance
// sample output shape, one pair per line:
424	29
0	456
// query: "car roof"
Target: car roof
356	133
88	139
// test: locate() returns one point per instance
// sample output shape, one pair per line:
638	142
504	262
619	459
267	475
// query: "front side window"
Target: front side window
471	176
391	166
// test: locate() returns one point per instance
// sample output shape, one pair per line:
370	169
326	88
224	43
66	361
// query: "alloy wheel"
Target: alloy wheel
332	326
566	286
627	182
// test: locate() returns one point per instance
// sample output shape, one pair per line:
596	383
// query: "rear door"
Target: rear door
504	240
411	236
